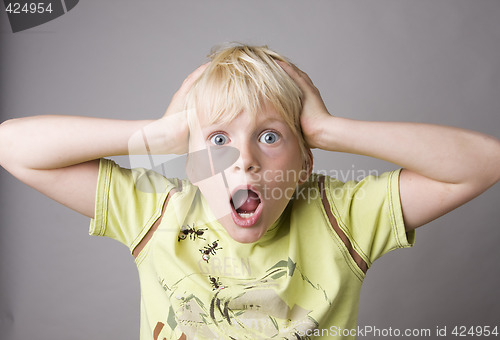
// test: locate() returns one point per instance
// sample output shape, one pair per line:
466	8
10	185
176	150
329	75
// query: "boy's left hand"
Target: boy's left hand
443	167
314	110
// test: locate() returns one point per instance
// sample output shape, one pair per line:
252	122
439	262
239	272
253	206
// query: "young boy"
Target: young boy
252	245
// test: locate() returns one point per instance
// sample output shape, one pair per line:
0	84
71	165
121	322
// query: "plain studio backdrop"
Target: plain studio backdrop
434	61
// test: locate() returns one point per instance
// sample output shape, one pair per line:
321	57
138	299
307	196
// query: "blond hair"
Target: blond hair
246	78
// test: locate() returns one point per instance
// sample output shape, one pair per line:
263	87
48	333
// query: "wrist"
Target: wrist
321	133
167	135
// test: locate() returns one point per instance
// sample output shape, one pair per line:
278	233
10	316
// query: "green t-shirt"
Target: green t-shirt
302	279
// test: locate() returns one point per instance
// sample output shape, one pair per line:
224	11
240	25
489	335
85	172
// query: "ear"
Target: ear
307	168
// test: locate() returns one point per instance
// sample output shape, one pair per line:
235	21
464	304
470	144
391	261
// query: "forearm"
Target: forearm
50	142
445	154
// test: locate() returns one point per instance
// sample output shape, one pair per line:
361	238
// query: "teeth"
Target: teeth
245	215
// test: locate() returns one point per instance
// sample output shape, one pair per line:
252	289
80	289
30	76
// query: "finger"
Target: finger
191	78
292	69
177	102
303	75
300	77
292	72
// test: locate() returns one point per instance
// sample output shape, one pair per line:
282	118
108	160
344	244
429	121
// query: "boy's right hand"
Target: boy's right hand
170	133
176	114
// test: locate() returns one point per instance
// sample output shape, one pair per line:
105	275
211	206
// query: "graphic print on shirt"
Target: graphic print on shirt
242	309
216	284
192	232
210	249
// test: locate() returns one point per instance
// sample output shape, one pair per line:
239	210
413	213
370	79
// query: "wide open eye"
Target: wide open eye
218	139
269	137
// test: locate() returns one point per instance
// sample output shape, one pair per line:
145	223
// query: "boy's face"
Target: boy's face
263	179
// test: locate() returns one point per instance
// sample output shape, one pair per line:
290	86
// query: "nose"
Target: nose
249	159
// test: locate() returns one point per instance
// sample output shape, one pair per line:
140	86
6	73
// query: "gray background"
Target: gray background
434	61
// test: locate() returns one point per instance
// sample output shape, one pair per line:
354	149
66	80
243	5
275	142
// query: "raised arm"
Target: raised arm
58	155
444	167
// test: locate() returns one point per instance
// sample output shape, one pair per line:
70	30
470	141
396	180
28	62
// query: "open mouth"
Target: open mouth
246	204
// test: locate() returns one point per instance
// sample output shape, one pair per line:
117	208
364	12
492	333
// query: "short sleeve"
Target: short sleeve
128	202
369	212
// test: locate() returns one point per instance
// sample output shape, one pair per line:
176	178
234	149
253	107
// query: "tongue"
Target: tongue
251	202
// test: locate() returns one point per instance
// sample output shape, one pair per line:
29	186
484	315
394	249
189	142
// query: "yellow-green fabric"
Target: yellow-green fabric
298	281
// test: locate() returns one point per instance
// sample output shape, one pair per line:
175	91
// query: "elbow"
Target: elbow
496	162
6	124
6	141
487	169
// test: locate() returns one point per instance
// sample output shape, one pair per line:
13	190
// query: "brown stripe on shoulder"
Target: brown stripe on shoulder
140	246
326	204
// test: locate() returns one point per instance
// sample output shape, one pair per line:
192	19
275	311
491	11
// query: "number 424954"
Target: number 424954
33	7
475	331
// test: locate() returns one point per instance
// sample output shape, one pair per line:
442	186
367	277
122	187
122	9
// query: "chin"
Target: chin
243	234
245	237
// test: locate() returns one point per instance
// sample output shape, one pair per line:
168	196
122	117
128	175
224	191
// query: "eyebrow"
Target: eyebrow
209	129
